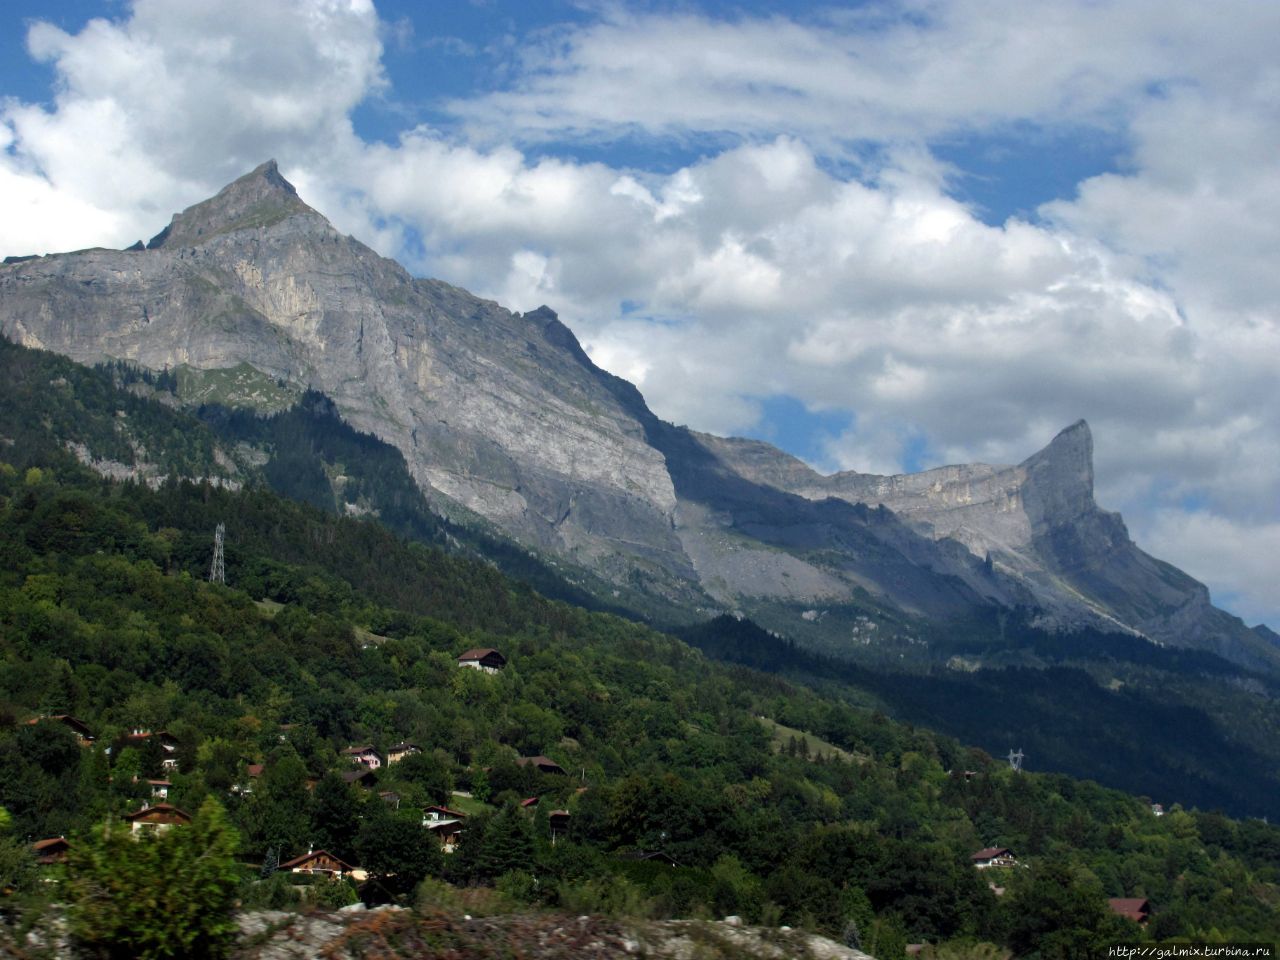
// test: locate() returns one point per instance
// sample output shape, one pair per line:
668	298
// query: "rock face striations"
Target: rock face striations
502	416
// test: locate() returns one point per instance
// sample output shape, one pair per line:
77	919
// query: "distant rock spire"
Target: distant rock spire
258	199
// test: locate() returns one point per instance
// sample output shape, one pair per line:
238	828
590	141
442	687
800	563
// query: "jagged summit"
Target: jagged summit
1069	456
258	199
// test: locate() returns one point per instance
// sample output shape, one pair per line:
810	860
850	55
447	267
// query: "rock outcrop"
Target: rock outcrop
503	418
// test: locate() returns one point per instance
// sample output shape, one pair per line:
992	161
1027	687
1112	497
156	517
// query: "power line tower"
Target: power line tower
218	571
1015	760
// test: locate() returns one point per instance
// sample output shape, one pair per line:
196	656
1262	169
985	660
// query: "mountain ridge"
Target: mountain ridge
503	416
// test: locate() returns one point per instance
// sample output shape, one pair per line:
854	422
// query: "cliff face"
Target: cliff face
502	416
489	408
1039	526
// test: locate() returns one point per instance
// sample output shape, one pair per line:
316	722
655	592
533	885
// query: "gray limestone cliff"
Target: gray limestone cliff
1038	525
502	416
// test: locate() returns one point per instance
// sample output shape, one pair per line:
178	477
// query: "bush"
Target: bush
154	897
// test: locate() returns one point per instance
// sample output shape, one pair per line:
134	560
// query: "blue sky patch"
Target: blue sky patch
789	424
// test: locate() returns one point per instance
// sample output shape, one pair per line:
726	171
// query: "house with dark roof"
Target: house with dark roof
482	658
252	773
362	778
81	729
541	764
994	857
53	850
319	862
1137	909
437	813
445	825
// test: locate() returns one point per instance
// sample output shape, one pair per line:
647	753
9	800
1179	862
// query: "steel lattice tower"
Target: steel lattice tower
218	571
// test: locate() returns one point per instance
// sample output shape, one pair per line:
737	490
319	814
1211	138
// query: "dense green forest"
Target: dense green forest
1179	725
334	631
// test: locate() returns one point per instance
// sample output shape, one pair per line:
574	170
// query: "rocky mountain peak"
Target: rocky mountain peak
1059	478
258	199
1071	451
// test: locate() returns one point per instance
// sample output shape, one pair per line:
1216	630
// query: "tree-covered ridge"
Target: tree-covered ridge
128	420
1175	724
104	615
49	402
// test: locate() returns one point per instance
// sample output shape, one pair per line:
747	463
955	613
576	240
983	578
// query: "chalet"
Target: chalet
53	850
482	658
390	798
252	773
362	778
401	750
78	727
139	737
158	818
994	857
436	814
541	764
319	862
445	825
364	755
448	832
1157	809
1131	908
159	789
558	820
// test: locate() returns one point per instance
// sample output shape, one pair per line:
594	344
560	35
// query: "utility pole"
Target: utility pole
218	570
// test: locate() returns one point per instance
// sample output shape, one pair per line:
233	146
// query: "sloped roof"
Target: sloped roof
161	809
990	853
446	811
315	855
479	653
79	726
545	764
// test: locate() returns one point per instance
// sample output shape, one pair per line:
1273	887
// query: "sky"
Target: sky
884	236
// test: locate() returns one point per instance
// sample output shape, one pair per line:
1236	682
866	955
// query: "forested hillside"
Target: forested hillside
774	802
333	632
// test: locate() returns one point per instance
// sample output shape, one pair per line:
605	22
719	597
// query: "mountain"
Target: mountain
504	421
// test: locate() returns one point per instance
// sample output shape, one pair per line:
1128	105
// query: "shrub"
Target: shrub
153	897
